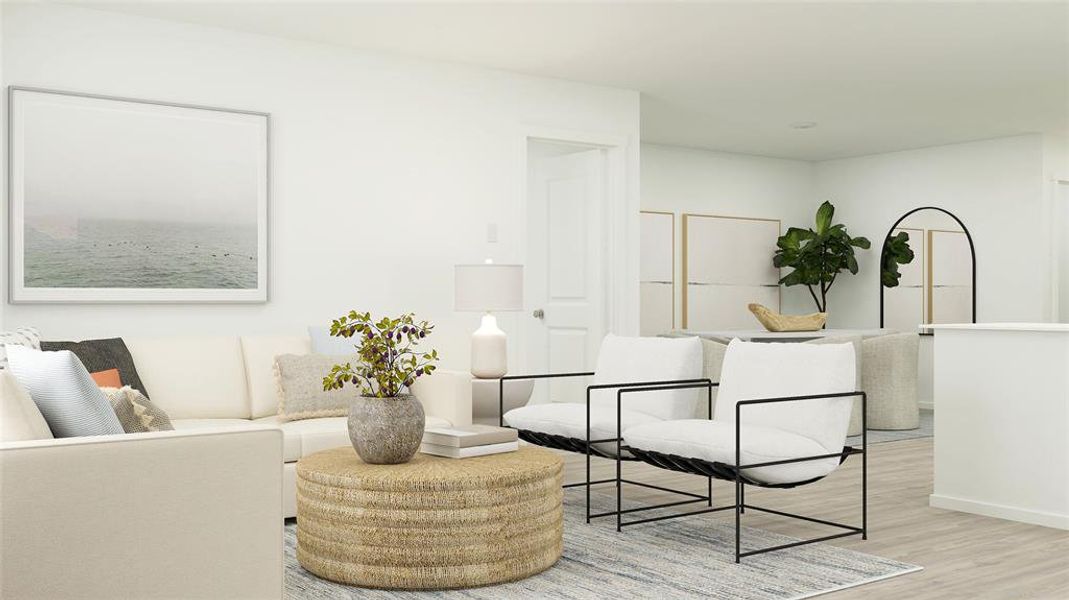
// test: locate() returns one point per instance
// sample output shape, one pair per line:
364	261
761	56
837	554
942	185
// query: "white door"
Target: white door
564	274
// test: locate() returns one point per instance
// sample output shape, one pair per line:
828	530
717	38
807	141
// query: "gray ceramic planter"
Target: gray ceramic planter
386	431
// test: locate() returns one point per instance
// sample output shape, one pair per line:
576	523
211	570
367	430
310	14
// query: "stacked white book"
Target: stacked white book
468	441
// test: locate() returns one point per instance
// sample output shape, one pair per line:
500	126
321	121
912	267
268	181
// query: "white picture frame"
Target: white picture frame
120	200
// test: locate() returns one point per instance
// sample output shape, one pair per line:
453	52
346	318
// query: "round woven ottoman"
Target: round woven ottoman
432	523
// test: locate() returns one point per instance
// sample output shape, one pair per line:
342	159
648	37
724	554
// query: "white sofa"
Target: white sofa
191	513
229	381
170	514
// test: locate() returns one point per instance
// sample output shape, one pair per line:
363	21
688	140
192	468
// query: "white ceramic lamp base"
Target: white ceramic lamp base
489	358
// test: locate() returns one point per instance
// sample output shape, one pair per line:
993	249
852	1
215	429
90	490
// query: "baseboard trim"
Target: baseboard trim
1000	511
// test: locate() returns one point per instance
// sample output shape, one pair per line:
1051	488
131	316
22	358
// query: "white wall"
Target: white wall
385	171
996	187
686	180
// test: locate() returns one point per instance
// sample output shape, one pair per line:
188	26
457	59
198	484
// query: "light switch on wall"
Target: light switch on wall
491	233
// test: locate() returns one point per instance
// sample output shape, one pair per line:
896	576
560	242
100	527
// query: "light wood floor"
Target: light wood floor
963	555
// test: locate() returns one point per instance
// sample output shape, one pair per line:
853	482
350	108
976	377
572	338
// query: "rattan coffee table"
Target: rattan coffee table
432	523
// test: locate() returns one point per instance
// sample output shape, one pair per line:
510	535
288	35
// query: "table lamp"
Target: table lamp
487	288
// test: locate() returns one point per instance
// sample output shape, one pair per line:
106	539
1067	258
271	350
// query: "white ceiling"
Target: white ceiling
876	77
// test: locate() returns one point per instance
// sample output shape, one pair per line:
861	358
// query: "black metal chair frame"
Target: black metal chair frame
695	466
710	470
587	446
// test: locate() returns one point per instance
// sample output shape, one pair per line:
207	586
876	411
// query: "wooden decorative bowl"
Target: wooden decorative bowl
773	321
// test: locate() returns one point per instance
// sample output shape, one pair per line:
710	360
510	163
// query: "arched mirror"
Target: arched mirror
927	271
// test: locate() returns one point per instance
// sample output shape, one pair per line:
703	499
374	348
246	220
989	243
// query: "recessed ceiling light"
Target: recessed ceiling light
803	125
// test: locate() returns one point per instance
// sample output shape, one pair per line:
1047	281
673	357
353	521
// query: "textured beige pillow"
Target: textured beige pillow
136	413
299	380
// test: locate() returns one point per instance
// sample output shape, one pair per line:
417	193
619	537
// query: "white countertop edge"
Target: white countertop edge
1044	327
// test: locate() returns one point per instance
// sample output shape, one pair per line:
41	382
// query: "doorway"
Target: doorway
567	267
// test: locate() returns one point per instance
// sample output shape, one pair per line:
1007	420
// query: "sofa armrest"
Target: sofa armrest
446	395
172	514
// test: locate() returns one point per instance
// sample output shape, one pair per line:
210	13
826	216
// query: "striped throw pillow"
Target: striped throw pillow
62	389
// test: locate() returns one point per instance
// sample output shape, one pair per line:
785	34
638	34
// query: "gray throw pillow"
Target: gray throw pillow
62	389
136	413
23	336
299	380
102	355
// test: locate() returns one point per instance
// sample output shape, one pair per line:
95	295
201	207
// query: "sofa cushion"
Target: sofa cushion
309	436
20	419
568	419
634	359
62	389
714	441
198	424
194	377
259	353
101	355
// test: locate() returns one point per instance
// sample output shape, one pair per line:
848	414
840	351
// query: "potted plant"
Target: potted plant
896	251
817	256
386	421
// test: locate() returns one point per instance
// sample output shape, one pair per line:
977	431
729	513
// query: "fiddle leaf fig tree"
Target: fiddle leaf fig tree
896	251
817	256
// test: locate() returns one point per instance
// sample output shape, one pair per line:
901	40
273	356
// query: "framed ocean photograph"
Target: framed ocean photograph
123	200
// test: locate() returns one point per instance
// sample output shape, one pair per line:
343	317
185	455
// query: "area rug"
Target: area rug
684	558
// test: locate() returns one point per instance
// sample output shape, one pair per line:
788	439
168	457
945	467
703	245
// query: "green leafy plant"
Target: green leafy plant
817	256
390	360
896	251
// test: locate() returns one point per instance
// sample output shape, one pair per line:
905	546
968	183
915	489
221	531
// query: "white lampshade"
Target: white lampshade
489	287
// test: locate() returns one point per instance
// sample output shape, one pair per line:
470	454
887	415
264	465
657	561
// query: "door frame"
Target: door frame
1059	230
620	224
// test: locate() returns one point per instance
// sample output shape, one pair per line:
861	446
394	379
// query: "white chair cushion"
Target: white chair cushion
20	419
714	441
308	436
259	353
634	359
193	377
569	420
755	370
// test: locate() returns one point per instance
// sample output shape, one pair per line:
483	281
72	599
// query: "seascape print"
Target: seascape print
126	200
101	253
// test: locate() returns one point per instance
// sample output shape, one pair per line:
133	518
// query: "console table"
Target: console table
430	523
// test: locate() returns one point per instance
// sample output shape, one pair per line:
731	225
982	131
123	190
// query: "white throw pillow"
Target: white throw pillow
23	336
20	419
638	359
62	389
